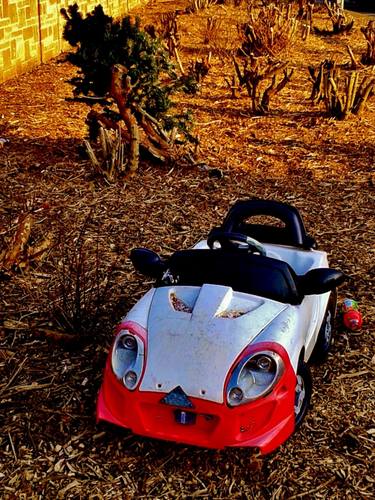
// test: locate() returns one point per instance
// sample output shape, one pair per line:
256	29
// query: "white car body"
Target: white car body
216	353
195	350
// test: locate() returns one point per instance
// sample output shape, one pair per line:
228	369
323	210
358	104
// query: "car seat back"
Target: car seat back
292	233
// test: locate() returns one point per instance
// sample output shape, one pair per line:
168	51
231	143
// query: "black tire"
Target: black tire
324	340
302	392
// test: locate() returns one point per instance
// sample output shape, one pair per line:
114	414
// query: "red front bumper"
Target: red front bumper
265	423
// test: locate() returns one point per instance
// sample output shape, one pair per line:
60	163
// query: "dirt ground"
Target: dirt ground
50	444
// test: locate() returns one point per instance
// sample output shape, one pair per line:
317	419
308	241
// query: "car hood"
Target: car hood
195	334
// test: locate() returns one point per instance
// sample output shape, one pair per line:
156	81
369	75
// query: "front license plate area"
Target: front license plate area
185	417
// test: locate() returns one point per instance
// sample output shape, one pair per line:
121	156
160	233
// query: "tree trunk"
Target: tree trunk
120	89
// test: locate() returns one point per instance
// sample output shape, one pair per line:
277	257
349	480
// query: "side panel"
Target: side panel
287	331
139	313
312	324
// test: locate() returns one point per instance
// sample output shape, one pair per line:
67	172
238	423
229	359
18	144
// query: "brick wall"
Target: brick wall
30	30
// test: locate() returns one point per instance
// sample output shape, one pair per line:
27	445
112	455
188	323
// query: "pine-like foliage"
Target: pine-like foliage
102	42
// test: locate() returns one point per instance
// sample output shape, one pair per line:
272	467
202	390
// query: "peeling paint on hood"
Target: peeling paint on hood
195	348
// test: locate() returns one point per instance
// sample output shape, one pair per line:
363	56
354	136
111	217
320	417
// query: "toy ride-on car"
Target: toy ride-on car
216	353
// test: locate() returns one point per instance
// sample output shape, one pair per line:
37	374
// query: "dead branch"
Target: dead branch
18	243
200	67
92	157
112	160
167	30
340	24
120	89
163	138
233	86
340	99
354	64
368	57
107	122
274	89
146	147
363	93
268	33
171	35
255	74
212	29
305	17
197	5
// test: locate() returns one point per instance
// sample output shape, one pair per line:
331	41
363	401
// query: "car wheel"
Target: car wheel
324	340
302	392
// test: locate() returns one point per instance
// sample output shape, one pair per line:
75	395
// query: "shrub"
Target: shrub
341	96
131	74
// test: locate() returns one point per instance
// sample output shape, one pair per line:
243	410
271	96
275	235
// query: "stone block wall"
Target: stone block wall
30	30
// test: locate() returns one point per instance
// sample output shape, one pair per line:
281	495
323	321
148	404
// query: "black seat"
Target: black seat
292	233
239	269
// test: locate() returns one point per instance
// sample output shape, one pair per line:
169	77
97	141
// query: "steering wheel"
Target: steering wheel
230	241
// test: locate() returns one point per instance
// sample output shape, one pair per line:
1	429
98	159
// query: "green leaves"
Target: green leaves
102	42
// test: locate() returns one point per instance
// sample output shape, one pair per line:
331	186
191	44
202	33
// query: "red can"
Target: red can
352	320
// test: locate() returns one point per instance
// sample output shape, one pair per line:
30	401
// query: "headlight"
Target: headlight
253	377
128	358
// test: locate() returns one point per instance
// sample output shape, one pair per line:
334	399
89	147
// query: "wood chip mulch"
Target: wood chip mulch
50	444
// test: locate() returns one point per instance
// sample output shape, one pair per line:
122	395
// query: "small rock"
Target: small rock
215	173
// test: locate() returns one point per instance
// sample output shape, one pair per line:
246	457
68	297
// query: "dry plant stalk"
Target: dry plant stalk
143	132
224	42
169	32
340	101
200	67
19	252
256	74
80	285
368	57
197	5
233	86
120	93
112	161
213	27
269	33
168	28
338	19
156	145
305	17
354	64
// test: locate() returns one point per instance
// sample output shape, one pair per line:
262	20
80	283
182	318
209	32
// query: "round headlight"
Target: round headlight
130	379
236	395
128	358
129	342
254	376
264	363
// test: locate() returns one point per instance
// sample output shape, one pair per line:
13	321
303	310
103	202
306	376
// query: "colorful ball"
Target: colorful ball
349	305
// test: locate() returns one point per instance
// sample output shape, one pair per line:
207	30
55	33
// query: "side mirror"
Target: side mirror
319	281
147	262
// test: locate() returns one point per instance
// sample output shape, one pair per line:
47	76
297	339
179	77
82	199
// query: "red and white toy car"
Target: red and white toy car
216	353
